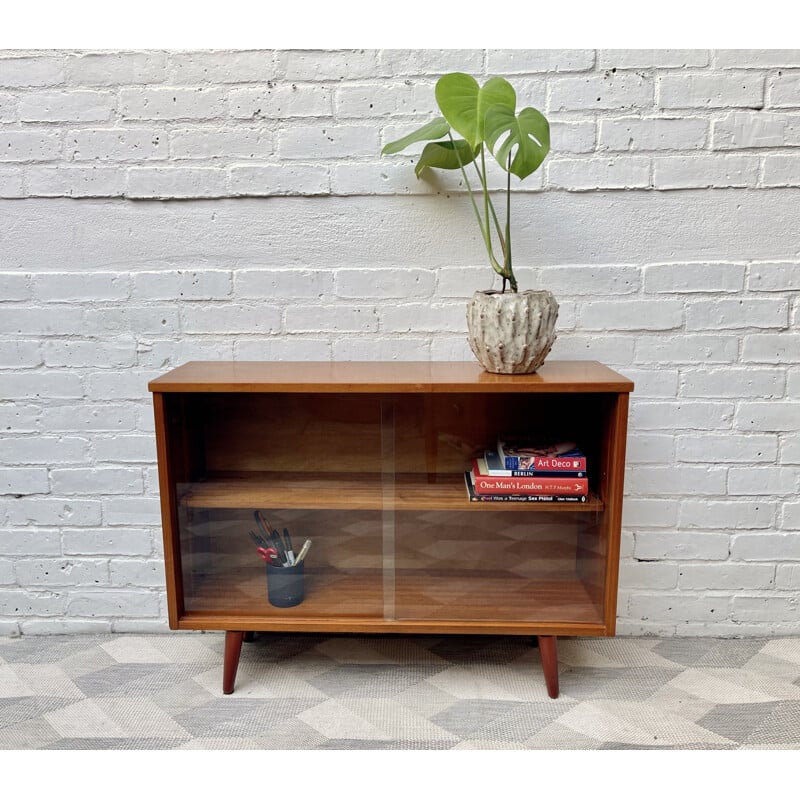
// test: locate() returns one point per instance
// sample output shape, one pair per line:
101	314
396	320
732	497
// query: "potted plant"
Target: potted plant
509	331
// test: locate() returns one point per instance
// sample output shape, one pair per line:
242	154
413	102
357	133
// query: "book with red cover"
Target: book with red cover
491	484
541	457
519	498
560	468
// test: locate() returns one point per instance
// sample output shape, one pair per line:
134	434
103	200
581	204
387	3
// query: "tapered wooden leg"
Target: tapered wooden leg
547	650
233	649
249	636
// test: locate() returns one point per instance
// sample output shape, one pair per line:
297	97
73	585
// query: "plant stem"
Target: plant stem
484	230
509	268
490	206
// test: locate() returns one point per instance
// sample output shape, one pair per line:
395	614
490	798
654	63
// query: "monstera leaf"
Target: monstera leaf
446	155
464	102
528	132
435	129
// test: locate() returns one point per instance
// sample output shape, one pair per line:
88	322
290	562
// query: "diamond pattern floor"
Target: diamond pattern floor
163	691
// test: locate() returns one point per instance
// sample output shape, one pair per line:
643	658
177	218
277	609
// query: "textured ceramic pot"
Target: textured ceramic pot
511	332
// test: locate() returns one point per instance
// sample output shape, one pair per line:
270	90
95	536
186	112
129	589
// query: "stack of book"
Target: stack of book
527	472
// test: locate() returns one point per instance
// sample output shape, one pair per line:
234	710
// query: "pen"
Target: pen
289	548
303	550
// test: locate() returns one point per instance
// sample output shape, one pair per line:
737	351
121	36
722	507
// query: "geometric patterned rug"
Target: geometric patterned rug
345	692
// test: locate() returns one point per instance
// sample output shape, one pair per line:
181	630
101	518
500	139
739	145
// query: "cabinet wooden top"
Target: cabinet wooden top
384	376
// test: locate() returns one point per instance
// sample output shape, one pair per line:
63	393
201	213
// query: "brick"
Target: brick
118	602
75	182
753	129
414	317
391	178
429	62
292	348
29	542
774	416
20	353
201	284
173	103
116	144
766	547
781	170
649	448
111	384
736	382
608	349
54	511
790	446
277	284
694	546
51	384
55	319
726	514
688	480
18	418
690	348
710	90
773	348
109	541
113	68
511	61
50	626
375	100
763	609
733	313
328	140
8	107
603	279
642	512
791	516
43	449
76	353
783	90
131	511
18	602
11	182
787	576
761	480
719	577
461	281
774	277
316	318
124	448
756	59
96	480
685	415
14	286
360	348
131	318
654	382
649	59
136	572
74	106
29	145
22	480
705	171
640	575
681	606
61	572
631	315
599	173
31	71
695	277
393	283
159	354
281	101
231	318
652	133
607	92
279	179
220	143
171	182
89	417
221	66
572	137
323	65
729	448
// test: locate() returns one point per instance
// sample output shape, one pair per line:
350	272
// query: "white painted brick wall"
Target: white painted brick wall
168	206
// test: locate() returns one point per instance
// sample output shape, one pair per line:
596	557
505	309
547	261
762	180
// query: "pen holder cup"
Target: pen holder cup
286	585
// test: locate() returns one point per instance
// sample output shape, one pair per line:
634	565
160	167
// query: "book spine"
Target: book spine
547	464
541	486
527	498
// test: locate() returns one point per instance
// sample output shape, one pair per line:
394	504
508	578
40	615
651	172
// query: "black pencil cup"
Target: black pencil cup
286	585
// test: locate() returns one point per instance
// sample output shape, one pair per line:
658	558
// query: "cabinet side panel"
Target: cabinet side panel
616	432
164	424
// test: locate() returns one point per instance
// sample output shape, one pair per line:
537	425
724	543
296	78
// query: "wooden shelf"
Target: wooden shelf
354	492
418	595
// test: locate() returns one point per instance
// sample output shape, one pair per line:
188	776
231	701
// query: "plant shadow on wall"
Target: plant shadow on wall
509	331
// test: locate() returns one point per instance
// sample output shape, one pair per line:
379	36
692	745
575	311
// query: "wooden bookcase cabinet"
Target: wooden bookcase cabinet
367	459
